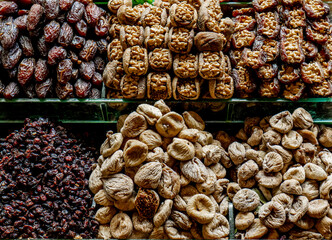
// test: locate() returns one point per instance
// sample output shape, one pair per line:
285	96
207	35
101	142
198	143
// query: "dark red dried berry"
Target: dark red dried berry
51	31
64	71
26	70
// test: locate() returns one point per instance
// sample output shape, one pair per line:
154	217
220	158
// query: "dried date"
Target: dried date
8	7
243	38
41	70
322	89
51	31
316	36
89	50
82	88
294	17
290	46
26	46
95	93
312	72
102	46
77	42
56	54
26	70
102	27
81	27
8	33
42	46
99	64
243	80
267	71
52	9
263	5
29	90
254	59
87	70
65	5
21	22
66	35
44	89
11	91
64	91
97	79
12	73
269	89
92	14
64	71
310	50
76	12
11	57
244	22
269	46
34	17
315	8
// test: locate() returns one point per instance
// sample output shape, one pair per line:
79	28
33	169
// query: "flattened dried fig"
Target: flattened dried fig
113	164
325	137
310	189
282	122
284	153
292	140
315	172
284	199
134	153
219	170
324	227
105	214
318	208
95	183
189	134
217	228
134	125
209	41
232	189
181	149
237	152
201	208
170	124
181	219
272	214
273	162
208	186
158	233
111	144
173	232
193	120
151	139
121	226
101	198
104	232
169	185
163	213
247	170
194	170
295	172
204	138
243	220
299	208
148	176
128	205
269	180
119	186
326	188
212	154
302	118
146	202
246	200
142	224
291	186
151	113
256	136
305	153
256	230
162	106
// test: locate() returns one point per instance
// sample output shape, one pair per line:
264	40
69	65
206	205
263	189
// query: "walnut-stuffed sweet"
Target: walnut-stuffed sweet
315	8
114	50
267	71
236	58
269	89
114	5
154	15
288	74
128	15
135	61
210	41
310	50
312	72
155	36
222	88
290	45
115	26
186	65
211	65
186	89
293	91
243	80
133	86
269	46
180	40
317	36
209	16
254	59
131	36
160	59
293	17
244	38
159	86
322	89
244	22
183	15
268	24
261	5
112	74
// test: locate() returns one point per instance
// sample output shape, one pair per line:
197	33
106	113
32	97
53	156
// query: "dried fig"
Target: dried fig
292	140
247	170
324	227
232	189
310	189
151	113
237	152
269	180
119	186
173	232
128	205
193	120
134	153
272	162
325	137
194	170
246	200
291	186
181	149
105	214
302	118
315	172
141	224
101	198
151	139
204	138
212	154
113	164
326	188
299	208
146	202
305	153
163	213
318	208
181	219
148	176
169	185
217	228
121	226
95	182
201	208
170	124
256	230
219	170
208	186
282	122
284	199
134	125
111	144
104	232
272	214
243	220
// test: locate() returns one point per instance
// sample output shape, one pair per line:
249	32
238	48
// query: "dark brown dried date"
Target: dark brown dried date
99	64
291	46
254	59
8	7
97	79
44	89
294	91
243	80
56	54
21	22
315	8
310	50
87	70
82	88
92	14
102	27
64	71
12	73
74	74
95	93
8	33
102	46
293	17
42	46
243	38
89	50
81	28
77	42
11	91
242	22
65	5
34	16
73	57
312	72
41	70
316	36
243	11
29	90
66	35
26	70
64	91
11	57
51	31
26	46
52	9
76	12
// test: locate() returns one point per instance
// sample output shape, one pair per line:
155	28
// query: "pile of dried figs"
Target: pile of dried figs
53	48
163	176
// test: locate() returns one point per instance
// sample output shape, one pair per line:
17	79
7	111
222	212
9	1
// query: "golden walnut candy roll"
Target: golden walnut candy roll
186	89
159	86
135	61
133	86
186	65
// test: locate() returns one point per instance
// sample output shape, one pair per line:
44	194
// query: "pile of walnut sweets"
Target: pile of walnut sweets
187	49
163	176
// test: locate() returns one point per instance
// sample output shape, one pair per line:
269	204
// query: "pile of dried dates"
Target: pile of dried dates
163	176
44	189
53	48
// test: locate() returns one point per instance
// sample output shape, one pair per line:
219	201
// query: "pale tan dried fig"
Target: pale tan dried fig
305	153
189	134
120	122
173	232
104	232
134	125
256	230
170	124
141	224
299	208
310	189
134	153
138	235
305	222
268	180
158	233
201	208
208	186
284	153
302	118
324	227
271	137
169	185
266	192
128	205
111	144
181	219
272	162
119	186
220	189
187	192
224	205
95	183
249	183
256	136
305	235
121	226
247	170
292	140
148	176
318	208
232	189
204	138
282	122
295	172
272	214
163	212
151	113
196	231
147	202
308	136
291	186
105	214
217	228
193	120
225	159
151	139
285	200
326	188
219	170
184	181
101	198
156	155
286	227
198	150
212	154
257	156
326	157
243	220
315	172
237	152
131	171
162	106
194	170
246	200
113	164
325	137
181	149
